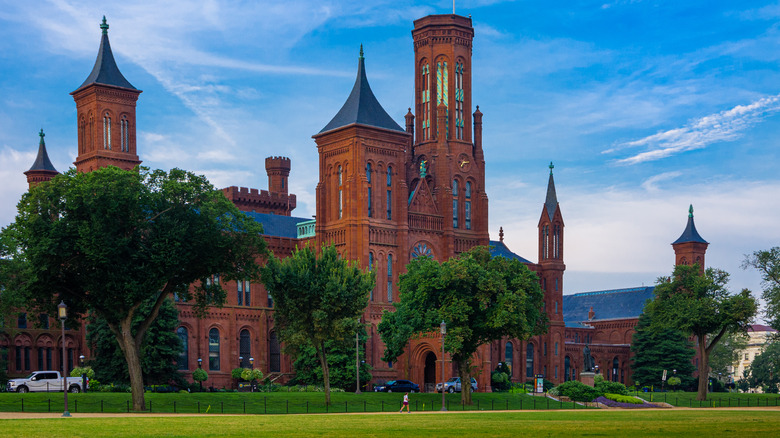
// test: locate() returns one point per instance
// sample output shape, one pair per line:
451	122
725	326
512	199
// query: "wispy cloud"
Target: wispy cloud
651	184
723	126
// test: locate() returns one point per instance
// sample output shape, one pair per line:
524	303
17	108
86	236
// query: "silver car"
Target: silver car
453	385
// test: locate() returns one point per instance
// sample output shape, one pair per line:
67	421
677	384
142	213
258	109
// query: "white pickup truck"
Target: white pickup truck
45	381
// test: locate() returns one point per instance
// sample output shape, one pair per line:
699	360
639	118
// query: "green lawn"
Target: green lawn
665	423
714	399
270	403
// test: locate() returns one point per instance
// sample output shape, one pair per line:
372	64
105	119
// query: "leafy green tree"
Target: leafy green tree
480	298
3	366
657	348
316	299
727	352
341	361
764	371
767	262
107	241
159	350
700	305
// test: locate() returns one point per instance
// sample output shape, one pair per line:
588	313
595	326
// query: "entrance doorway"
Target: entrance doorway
429	384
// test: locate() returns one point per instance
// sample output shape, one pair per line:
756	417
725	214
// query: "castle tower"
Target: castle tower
42	169
690	248
278	170
551	268
105	105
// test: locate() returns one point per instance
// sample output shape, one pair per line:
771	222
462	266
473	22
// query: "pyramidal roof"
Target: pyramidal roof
690	234
361	106
551	202
42	161
105	71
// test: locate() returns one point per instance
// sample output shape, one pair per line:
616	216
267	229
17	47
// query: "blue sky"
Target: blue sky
645	107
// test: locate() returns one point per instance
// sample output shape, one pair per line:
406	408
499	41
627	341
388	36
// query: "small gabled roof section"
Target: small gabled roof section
361	106
551	201
105	71
42	161
499	249
690	234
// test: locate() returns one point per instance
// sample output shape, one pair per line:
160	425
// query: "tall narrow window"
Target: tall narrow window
509	357
70	361
245	348
275	362
566	368
442	82
545	242
557	241
247	293
83	135
454	203
214	349
426	102
468	205
49	365
368	180
240	292
106	132
91	133
389	278
27	358
41	352
182	361
459	119
44	320
18	357
529	361
124	134
389	193
370	269
21	321
341	194
270	300
212	281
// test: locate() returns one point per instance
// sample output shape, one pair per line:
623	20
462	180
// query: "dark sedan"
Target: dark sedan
398	386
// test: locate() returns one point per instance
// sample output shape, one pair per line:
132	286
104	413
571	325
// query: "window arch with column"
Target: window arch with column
214	355
274	353
509	353
245	347
182	361
529	360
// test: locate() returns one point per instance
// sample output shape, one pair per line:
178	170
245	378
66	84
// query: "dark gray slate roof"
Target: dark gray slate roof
607	304
105	71
275	225
690	234
497	248
42	161
551	202
361	106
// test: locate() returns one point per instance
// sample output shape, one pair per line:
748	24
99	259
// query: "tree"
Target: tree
768	264
107	241
700	305
316	299
480	298
727	352
341	364
657	348
159	350
764	371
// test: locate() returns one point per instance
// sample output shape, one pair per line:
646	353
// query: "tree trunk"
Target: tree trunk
465	382
325	372
704	373
127	342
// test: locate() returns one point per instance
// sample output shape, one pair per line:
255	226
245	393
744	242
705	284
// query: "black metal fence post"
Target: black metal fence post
49	403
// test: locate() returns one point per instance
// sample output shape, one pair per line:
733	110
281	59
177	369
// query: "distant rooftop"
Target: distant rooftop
498	248
606	304
277	225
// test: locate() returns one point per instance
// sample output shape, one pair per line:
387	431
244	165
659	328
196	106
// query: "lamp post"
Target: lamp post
252	367
83	374
443	328
62	310
200	363
357	360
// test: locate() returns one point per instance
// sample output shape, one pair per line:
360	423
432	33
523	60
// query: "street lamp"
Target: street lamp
240	361
83	374
252	367
596	367
443	328
200	362
62	310
357	360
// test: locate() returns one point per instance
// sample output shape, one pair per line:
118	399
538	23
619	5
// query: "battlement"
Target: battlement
260	201
278	170
278	164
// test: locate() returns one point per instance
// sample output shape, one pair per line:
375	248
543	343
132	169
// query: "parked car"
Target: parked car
45	381
453	385
398	386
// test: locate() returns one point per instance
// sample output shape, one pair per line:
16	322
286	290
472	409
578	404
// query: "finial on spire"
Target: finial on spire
104	26
42	135
500	234
551	167
690	211
361	51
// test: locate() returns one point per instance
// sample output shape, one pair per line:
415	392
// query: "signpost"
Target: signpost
539	387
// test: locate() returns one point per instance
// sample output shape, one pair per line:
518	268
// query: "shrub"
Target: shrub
605	386
236	373
250	375
624	398
577	391
614	404
500	380
200	375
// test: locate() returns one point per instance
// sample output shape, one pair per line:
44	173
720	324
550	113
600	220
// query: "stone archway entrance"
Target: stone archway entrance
429	378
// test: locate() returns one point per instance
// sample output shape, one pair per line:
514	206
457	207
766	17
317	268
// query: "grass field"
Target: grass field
714	399
646	423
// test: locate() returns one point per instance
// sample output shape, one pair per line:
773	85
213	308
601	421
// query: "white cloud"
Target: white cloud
650	184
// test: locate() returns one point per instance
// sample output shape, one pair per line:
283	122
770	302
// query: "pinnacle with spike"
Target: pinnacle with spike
551	167
42	135
361	51
104	26
690	211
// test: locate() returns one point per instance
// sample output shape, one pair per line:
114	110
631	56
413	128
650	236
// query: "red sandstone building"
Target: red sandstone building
385	195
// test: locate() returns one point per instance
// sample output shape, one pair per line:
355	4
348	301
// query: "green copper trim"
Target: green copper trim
104	26
551	167
690	211
42	135
361	52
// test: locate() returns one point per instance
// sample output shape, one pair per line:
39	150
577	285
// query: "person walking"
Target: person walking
406	404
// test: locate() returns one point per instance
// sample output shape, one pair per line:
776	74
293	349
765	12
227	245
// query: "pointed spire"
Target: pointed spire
42	161
500	234
105	71
551	202
690	234
361	106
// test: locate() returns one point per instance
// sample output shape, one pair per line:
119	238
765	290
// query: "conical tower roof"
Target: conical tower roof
42	161
551	202
690	234
361	106
105	71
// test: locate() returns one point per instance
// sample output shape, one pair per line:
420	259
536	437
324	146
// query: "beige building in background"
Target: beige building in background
758	335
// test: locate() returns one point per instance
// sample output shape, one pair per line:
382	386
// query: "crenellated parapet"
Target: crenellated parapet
260	201
278	170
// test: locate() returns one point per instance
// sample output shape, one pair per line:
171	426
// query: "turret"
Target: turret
278	170
42	169
690	248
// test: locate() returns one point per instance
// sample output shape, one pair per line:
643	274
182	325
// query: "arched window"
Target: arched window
426	101
442	86
83	135
389	278
183	359
370	198
245	348
459	119
389	193
566	368
557	241
91	132
529	360
468	204
275	356
124	135
454	203
341	194
545	242
370	269
106	132
509	357
615	369
214	349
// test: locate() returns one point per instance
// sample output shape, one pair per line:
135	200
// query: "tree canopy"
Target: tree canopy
699	304
107	241
341	364
764	371
657	348
767	262
480	298
316	299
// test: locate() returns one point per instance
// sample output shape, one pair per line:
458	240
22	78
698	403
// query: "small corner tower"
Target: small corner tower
105	105
690	248
42	169
278	170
